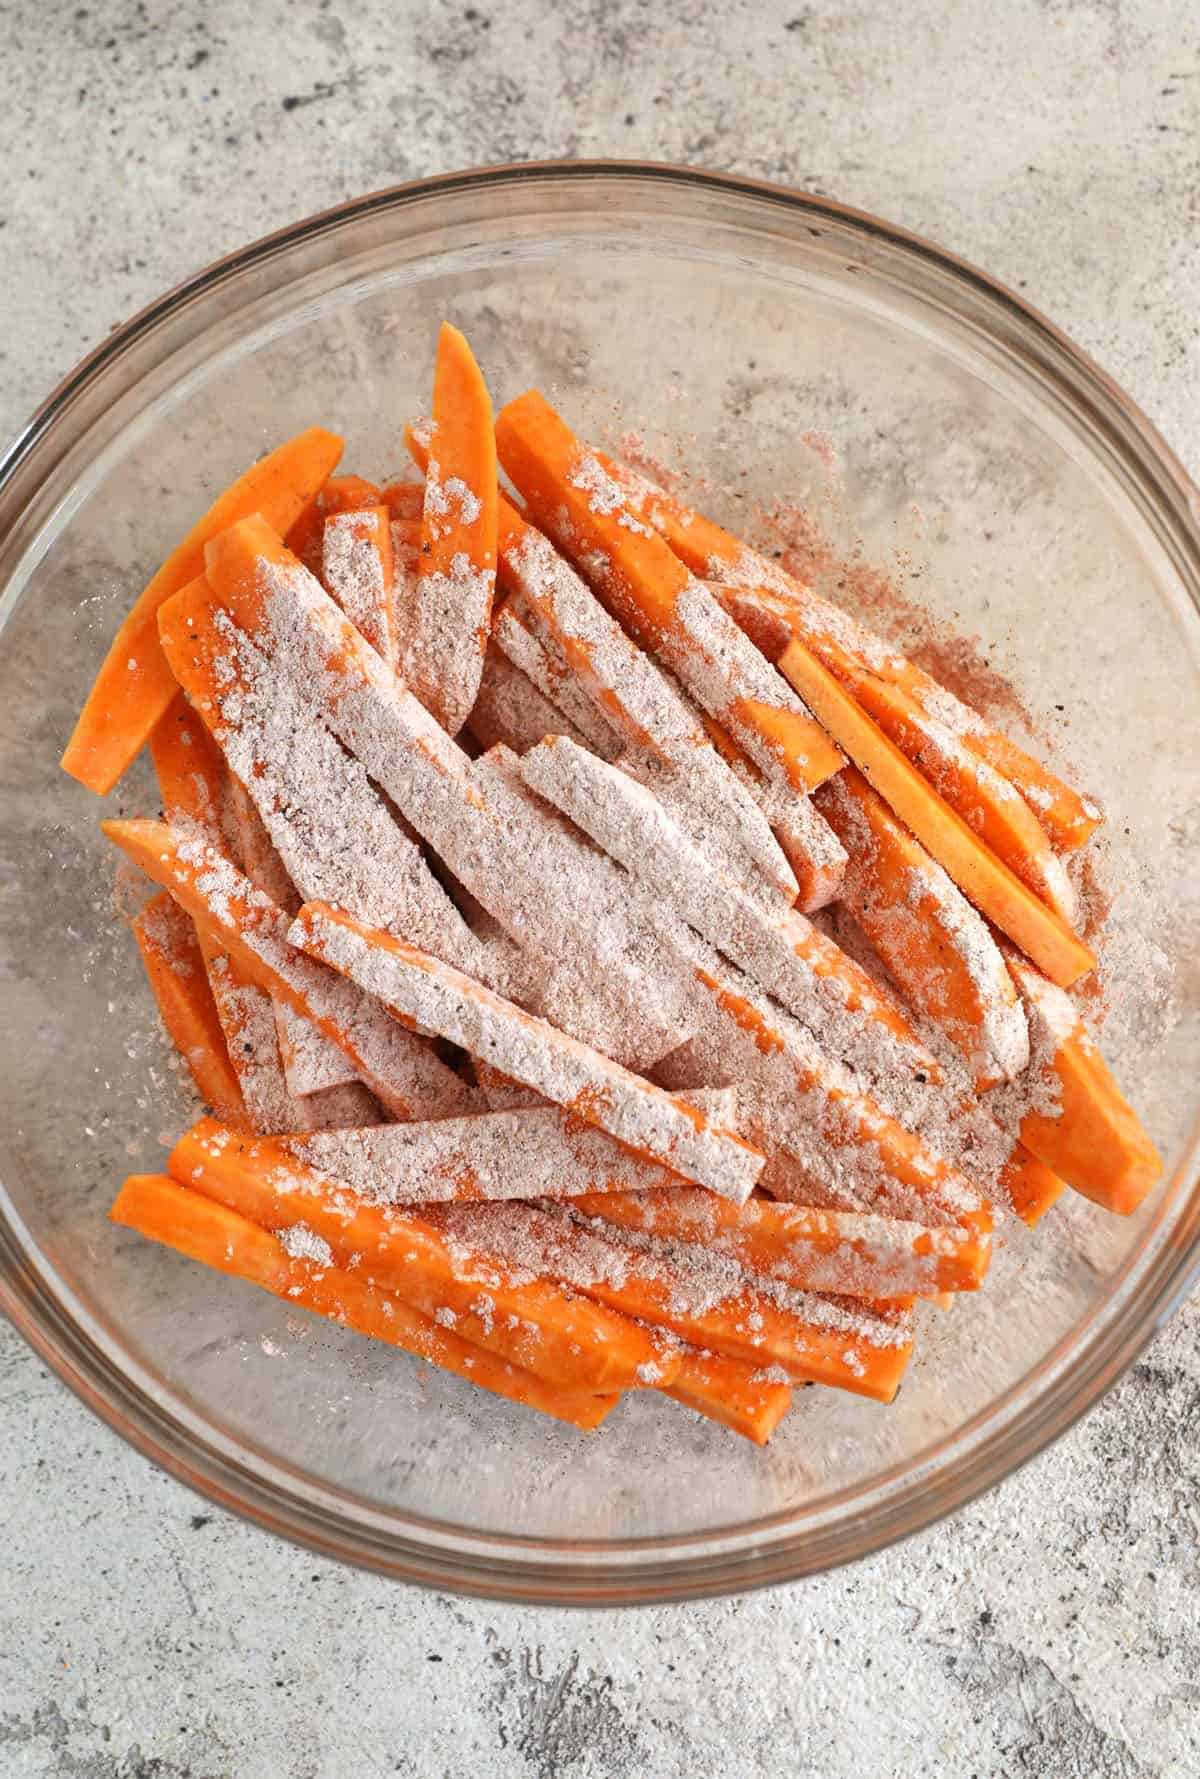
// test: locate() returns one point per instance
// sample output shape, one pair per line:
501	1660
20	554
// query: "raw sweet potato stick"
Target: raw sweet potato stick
431	996
561	1337
558	684
167	941
846	1252
716	786
162	1210
405	500
135	684
983	878
933	942
633	697
745	1398
529	1151
340	494
1030	1187
828	1142
358	569
849	650
585	513
1092	1138
991	806
311	1064
194	786
632	1002
456	579
401	1070
348	494
507	1310
640	704
510	711
810	846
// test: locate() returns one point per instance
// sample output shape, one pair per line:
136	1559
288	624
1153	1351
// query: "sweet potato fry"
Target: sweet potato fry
782	953
170	951
845	1252
1092	1139
443	656
309	795
744	1398
524	650
163	1211
528	1150
662	734
987	802
358	570
562	1339
135	684
197	798
933	942
983	878
704	1298
510	711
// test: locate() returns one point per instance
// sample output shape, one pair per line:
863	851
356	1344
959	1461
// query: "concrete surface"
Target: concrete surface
1050	1630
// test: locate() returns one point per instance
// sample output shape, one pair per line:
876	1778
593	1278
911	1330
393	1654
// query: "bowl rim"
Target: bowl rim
561	1571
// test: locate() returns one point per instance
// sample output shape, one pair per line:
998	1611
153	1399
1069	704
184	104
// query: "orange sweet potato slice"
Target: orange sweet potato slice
401	1070
405	500
348	494
426	994
568	1341
983	878
933	942
745	1398
985	801
171	953
850	1253
1031	1186
456	579
135	684
163	1211
358	568
703	1298
1093	1138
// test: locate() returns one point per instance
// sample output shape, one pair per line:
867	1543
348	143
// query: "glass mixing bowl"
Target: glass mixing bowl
777	331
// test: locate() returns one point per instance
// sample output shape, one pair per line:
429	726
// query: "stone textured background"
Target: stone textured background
1052	1629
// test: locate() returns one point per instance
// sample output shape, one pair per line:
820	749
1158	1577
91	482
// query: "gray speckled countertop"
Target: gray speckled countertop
1052	1629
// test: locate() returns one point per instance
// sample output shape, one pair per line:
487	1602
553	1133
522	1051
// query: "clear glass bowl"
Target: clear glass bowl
1052	520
